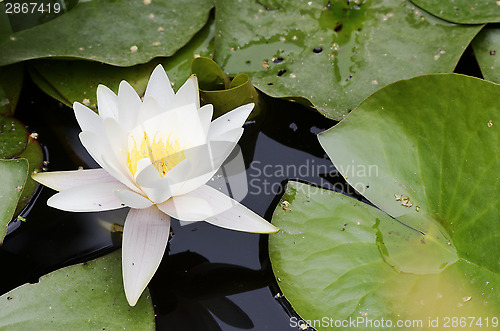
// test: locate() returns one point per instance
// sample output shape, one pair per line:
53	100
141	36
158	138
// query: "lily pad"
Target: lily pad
34	155
13	137
223	93
331	262
425	152
333	54
70	81
487	51
84	296
20	155
13	174
159	28
463	11
11	80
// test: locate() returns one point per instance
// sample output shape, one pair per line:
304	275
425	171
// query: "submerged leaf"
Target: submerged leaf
13	174
13	137
34	155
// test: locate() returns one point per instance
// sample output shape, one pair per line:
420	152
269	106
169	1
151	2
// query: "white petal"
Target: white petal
114	155
149	109
63	180
158	192
187	94
87	118
159	189
207	159
159	88
241	218
116	138
229	121
230	136
197	205
152	184
145	237
107	103
182	124
206	112
92	197
129	104
100	150
94	144
146	172
132	199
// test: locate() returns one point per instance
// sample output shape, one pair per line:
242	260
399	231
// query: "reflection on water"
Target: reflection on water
187	284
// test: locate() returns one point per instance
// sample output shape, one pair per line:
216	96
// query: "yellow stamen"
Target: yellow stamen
163	155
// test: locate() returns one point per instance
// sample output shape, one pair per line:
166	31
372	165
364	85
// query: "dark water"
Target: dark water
212	278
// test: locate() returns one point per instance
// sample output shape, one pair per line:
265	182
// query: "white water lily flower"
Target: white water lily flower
156	156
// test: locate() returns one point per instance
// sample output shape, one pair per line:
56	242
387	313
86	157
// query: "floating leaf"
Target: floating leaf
463	11
70	81
424	151
16	188
84	296
13	174
159	28
487	51
13	137
333	54
329	261
218	89
11	80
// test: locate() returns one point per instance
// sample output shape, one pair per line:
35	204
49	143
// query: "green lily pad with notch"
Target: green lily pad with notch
83	296
342	263
34	154
20	155
11	81
463	11
70	81
333	54
118	33
425	152
223	93
486	48
13	174
13	137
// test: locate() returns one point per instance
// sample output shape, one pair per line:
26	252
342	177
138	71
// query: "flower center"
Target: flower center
163	155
